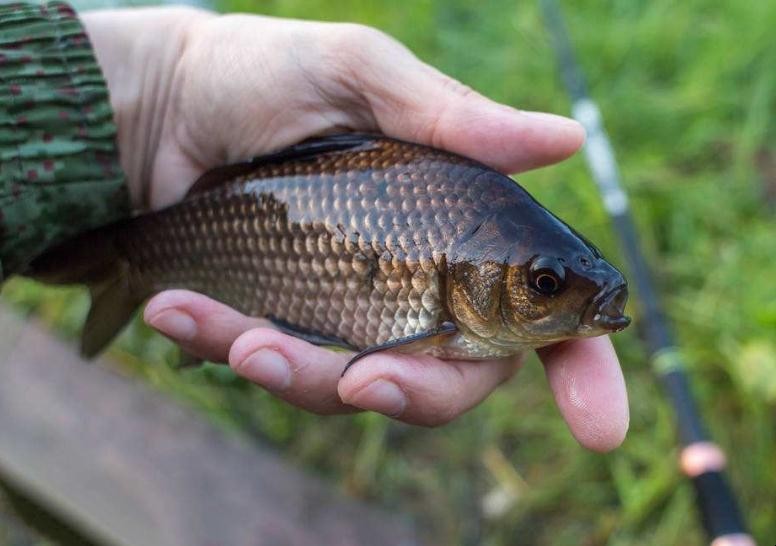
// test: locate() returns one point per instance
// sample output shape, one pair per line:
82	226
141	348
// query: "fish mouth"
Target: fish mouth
607	311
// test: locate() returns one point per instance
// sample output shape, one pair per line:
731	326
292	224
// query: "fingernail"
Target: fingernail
175	324
267	368
381	396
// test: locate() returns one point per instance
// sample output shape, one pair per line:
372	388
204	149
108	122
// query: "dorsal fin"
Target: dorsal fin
307	149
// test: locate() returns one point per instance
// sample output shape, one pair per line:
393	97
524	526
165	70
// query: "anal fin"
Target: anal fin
310	336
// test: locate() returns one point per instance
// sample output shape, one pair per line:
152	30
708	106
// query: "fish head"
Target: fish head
556	296
535	282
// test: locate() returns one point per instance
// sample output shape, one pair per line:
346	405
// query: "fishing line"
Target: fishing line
701	460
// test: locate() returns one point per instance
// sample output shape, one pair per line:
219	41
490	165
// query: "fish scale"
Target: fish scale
350	245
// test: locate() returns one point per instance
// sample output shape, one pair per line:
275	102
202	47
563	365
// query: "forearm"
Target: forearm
59	169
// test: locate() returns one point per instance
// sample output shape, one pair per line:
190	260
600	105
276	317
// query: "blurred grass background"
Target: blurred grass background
688	94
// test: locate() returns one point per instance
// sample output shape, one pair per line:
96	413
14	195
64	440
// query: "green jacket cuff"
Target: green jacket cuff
59	166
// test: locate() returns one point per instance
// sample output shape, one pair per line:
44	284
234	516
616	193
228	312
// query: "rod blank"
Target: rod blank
715	499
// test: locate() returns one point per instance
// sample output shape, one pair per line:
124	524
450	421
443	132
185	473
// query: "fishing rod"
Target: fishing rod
701	460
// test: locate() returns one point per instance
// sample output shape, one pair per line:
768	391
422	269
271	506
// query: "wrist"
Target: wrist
138	51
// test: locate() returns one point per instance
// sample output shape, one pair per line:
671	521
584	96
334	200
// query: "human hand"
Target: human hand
193	91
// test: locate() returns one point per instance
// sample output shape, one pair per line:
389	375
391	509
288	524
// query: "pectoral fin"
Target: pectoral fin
410	344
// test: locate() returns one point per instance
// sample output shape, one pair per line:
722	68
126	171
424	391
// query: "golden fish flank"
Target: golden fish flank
360	241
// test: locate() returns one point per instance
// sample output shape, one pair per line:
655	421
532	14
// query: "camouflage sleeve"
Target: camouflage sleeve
59	168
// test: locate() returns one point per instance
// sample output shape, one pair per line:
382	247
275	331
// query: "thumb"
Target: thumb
413	101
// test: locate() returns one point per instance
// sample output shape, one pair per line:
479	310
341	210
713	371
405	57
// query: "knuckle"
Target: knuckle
437	126
353	46
455	87
357	35
443	401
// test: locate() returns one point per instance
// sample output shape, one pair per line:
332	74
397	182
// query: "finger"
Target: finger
415	389
292	369
413	101
587	382
420	389
465	122
201	326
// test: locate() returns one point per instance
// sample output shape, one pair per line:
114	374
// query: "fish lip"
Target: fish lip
607	310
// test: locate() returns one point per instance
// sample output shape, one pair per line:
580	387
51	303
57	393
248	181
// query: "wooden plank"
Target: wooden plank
132	468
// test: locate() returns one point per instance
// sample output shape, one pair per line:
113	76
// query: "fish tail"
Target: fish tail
93	259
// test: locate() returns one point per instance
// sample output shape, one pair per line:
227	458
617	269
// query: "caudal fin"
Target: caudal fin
92	259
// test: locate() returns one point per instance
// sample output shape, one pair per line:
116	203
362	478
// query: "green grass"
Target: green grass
688	93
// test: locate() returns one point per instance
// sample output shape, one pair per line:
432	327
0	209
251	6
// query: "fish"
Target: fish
357	241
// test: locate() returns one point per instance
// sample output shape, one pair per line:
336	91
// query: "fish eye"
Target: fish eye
547	275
